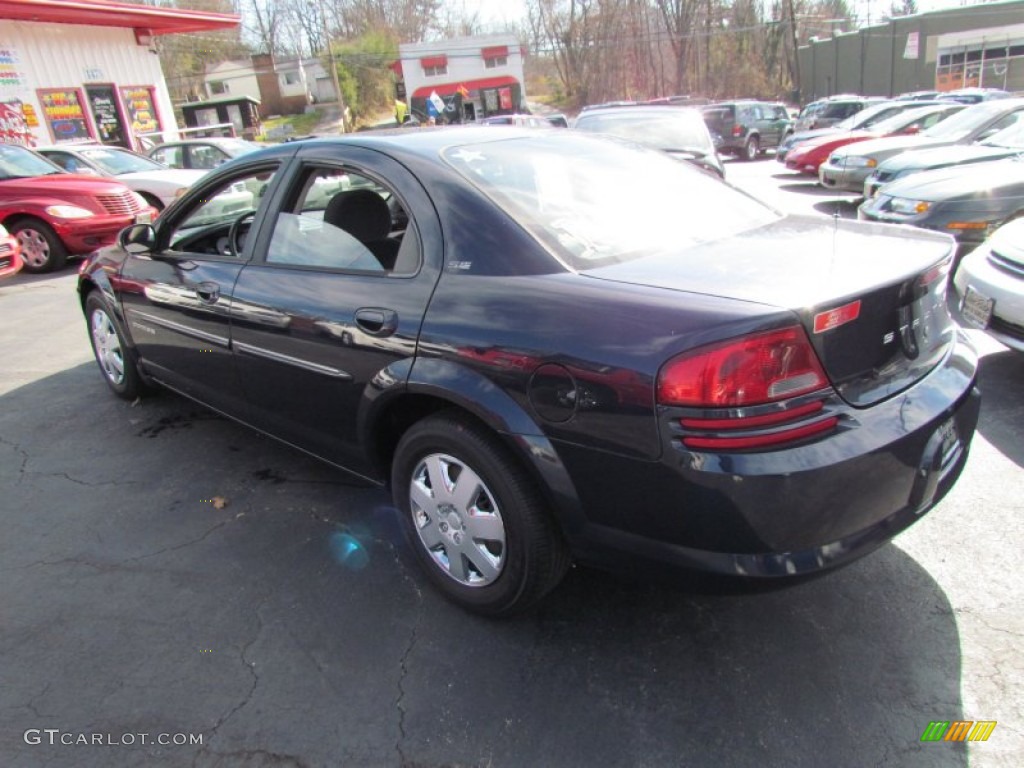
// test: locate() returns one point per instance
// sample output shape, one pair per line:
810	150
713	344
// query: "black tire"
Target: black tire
751	149
110	350
153	200
41	249
532	557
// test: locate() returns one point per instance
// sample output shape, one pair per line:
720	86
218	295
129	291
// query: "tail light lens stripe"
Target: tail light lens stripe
740	442
747	422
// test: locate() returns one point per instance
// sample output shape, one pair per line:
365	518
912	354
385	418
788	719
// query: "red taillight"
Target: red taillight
737	130
751	370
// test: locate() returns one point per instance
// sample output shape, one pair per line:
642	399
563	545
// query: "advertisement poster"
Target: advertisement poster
105	115
505	97
138	103
11	74
64	114
13	128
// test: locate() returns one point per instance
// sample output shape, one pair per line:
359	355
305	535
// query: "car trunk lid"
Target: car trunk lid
870	297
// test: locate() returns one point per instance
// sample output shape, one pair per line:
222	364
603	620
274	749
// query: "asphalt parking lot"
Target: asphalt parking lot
167	575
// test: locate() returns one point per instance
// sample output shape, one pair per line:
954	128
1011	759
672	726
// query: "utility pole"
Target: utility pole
334	68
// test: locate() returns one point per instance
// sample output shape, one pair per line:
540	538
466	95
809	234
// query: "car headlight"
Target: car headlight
68	212
908	207
854	161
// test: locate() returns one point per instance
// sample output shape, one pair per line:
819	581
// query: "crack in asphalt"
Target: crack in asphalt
31	705
176	547
24	457
246	756
403	663
75	480
251	668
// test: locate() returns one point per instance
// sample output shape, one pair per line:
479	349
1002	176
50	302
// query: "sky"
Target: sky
497	11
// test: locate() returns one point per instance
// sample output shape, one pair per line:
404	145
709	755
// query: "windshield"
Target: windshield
1012	137
902	120
236	147
962	124
680	129
20	163
599	201
118	161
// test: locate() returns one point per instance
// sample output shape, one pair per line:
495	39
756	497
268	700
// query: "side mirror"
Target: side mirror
138	239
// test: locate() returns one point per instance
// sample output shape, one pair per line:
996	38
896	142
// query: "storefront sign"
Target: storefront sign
138	103
13	128
105	114
64	114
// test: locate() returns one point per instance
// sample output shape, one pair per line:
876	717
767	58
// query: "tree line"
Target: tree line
581	51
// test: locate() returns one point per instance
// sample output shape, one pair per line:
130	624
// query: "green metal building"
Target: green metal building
977	45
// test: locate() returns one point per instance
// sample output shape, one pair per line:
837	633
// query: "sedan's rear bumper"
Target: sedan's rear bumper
786	512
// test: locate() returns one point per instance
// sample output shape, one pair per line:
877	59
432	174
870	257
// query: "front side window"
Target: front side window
339	219
205	227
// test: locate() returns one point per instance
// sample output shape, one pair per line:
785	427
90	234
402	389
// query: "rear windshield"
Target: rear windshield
839	109
674	129
719	115
599	201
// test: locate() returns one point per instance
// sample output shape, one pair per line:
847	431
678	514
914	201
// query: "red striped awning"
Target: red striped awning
447	89
434	61
494	52
152	20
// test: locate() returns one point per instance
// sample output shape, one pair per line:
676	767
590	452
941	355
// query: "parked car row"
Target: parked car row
70	199
951	165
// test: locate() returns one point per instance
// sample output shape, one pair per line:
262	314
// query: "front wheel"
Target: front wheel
475	520
41	249
751	149
110	350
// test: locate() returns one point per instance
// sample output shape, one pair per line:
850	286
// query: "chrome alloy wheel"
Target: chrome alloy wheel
458	520
107	346
35	248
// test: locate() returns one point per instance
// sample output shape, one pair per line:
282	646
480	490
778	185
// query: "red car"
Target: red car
10	253
54	214
806	157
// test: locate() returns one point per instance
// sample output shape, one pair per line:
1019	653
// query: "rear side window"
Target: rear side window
343	220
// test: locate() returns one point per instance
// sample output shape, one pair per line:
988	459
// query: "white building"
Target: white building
282	86
474	76
72	70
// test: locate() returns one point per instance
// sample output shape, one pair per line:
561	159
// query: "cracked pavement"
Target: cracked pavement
130	605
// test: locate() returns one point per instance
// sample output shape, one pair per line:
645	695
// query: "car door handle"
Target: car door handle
376	321
208	293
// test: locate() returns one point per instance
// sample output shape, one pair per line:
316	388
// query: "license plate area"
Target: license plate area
977	308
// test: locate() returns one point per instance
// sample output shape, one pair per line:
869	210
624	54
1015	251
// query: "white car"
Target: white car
159	184
990	285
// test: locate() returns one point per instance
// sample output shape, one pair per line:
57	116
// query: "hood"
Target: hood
959	181
941	157
835	140
891	144
60	185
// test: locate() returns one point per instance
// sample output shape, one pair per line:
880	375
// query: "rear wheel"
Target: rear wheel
752	148
475	520
110	350
41	249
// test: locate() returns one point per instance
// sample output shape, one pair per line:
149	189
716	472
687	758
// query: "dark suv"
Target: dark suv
747	128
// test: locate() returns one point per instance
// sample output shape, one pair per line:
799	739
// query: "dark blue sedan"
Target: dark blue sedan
556	347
